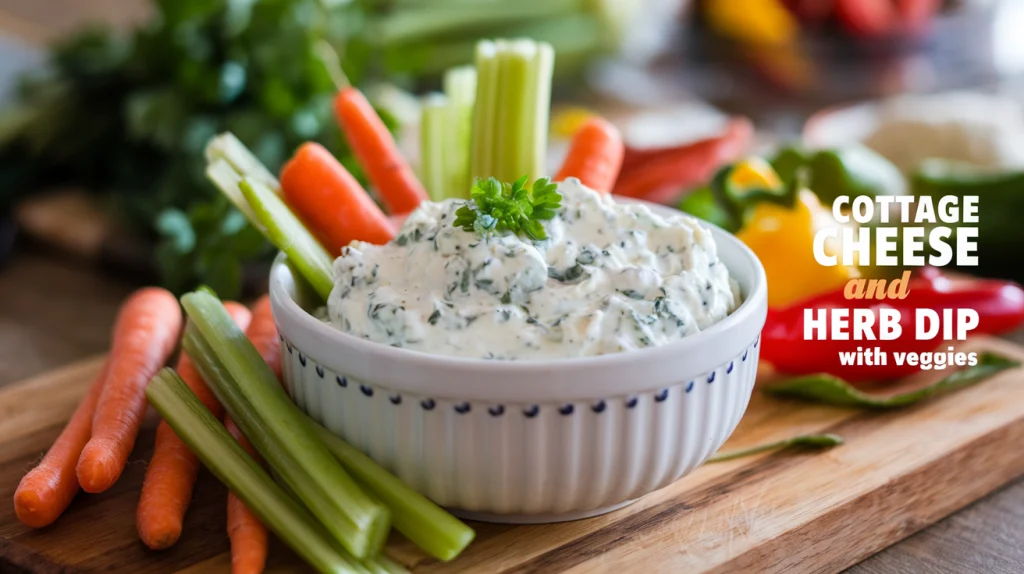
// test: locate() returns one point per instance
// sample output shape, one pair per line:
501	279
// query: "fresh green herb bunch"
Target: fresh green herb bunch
497	206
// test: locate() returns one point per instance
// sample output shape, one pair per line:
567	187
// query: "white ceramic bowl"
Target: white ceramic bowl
530	441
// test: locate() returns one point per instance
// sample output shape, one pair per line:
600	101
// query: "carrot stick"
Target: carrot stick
377	152
595	155
330	201
247	534
263	333
145	334
167	488
47	489
664	176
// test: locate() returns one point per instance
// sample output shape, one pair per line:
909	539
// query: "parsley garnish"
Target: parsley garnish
496	206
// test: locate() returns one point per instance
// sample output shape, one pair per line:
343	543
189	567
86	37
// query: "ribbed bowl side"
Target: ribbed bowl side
523	460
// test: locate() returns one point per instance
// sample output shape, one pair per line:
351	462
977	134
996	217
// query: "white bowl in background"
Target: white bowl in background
534	440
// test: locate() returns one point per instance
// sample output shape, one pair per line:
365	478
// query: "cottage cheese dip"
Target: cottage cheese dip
610	278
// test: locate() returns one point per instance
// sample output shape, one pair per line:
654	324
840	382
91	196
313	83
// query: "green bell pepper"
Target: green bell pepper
1000	195
852	170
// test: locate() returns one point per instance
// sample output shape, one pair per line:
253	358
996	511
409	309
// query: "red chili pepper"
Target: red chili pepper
999	304
664	174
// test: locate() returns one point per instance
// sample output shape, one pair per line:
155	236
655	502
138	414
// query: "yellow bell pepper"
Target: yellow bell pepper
761	22
566	121
783	239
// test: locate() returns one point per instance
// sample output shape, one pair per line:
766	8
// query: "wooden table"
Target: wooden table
54	311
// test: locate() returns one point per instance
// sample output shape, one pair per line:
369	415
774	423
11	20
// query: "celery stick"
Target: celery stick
207	438
460	88
373	566
505	101
277	454
510	120
226	179
255	399
445	136
541	110
518	65
379	532
485	111
390	566
287	232
424	523
377	537
227	147
360	567
460	85
304	294
434	122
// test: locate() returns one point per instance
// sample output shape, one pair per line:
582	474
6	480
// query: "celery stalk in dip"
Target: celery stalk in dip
611	277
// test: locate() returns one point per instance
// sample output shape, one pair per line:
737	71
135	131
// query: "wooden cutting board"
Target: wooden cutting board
783	512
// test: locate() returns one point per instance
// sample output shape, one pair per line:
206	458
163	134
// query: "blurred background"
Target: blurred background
105	105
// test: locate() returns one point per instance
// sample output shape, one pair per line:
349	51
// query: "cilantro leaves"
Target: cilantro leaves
497	206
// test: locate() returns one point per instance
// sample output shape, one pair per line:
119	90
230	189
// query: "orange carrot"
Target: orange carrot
377	152
595	155
662	177
145	334
167	488
263	334
47	489
247	534
330	201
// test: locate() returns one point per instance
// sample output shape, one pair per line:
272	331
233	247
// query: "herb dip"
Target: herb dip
610	277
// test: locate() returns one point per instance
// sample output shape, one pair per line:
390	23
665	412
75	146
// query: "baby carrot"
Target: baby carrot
330	201
145	334
167	488
595	155
377	152
247	534
47	489
262	332
664	176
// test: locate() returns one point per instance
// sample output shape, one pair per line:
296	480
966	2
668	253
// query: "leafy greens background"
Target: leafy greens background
128	116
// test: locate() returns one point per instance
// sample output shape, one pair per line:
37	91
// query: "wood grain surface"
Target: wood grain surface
783	512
